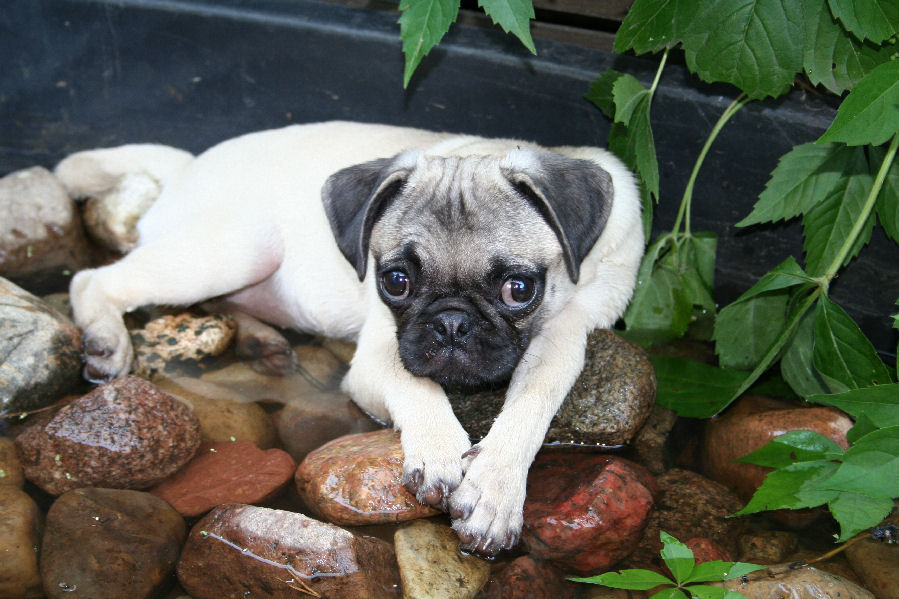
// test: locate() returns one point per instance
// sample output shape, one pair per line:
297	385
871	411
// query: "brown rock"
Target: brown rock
41	351
239	550
648	445
11	472
342	350
312	420
767	546
356	480
124	434
178	338
20	538
230	472
707	550
110	544
608	403
877	564
319	366
802	582
527	578
585	512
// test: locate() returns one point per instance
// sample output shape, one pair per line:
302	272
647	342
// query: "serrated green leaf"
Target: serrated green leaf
803	178
888	199
783	276
827	225
879	403
783	488
745	330
677	556
753	44
423	24
634	579
863	425
856	512
635	144
697	253
659	310
791	447
673	593
875	20
514	16
600	92
882	439
797	364
832	57
693	389
628	94
717	570
653	25
742	569
872	473
842	352
870	113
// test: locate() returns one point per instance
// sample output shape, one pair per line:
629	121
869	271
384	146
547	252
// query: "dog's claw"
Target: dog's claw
414	480
94	348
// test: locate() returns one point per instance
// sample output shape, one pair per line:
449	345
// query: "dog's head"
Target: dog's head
470	254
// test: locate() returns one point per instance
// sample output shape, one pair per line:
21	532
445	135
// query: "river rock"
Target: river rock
110	544
707	550
877	564
224	415
124	434
342	350
585	512
230	472
795	582
11	472
432	566
310	421
41	239
648	447
751	423
767	546
20	539
40	349
179	337
239	550
606	406
356	480
527	578
111	217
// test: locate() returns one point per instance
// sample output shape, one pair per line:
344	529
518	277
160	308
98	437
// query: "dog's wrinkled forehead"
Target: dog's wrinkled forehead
461	213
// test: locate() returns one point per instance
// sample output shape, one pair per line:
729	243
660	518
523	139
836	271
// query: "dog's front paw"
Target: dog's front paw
106	351
432	465
486	508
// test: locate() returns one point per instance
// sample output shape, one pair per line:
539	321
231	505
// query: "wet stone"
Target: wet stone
310	421
431	565
804	582
527	578
41	351
606	406
11	473
230	472
238	550
178	338
20	539
356	480
648	445
585	512
124	434
877	564
110	544
707	550
767	546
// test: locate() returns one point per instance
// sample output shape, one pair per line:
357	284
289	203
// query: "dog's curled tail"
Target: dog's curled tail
94	172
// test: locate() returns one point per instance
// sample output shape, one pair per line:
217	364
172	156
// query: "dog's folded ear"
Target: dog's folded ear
573	195
354	198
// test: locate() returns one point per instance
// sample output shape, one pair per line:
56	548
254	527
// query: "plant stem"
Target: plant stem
683	213
655	80
859	223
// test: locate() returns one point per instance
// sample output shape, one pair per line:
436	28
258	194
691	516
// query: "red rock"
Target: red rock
585	512
527	578
126	434
355	479
707	550
247	551
231	472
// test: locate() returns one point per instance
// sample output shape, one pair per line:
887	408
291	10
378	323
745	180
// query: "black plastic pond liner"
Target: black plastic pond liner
78	74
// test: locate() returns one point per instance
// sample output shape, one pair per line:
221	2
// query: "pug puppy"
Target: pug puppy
450	260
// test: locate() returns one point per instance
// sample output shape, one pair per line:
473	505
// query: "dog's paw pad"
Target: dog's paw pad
105	357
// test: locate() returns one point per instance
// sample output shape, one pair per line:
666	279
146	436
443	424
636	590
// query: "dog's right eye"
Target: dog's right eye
396	284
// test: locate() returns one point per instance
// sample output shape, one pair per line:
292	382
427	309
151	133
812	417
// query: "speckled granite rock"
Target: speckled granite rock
110	544
237	472
124	434
606	406
527	578
803	582
239	550
20	540
431	564
177	338
584	512
40	351
356	480
10	466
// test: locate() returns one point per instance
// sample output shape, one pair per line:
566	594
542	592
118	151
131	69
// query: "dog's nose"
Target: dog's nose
452	326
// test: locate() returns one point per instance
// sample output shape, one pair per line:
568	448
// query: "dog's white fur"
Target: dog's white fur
245	220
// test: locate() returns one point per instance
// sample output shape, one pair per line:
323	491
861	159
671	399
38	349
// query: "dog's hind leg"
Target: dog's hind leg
266	350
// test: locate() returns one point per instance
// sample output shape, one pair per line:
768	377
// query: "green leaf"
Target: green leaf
634	579
783	488
514	16
627	93
783	276
600	92
872	473
693	389
875	20
678	557
635	145
794	446
797	364
870	113
888	200
880	403
742	569
717	570
856	512
753	44
842	352
745	330
863	425
673	593
882	439
704	591
804	177
653	25
833	58
659	310
697	256
423	24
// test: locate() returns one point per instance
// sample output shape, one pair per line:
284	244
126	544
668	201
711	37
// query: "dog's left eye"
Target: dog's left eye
518	291
396	284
